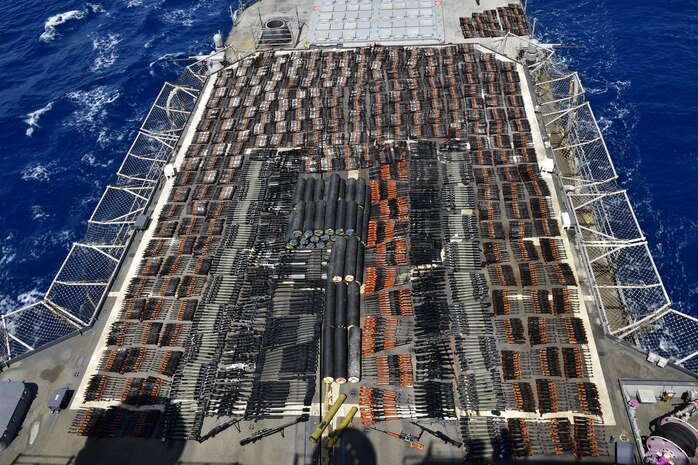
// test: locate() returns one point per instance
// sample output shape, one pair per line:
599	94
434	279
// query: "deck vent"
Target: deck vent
276	32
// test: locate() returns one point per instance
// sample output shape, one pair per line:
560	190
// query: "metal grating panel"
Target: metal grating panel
362	21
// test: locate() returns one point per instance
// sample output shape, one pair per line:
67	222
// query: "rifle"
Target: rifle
438	434
269	431
410	439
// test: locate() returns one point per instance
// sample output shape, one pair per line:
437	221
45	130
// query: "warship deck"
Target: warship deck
477	314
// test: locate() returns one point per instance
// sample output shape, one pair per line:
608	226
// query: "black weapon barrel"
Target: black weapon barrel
340	218
350	219
331	209
353	305
361	192
340	355
340	317
327	357
298	219
354	355
320	212
318	193
298	191
309	219
309	193
351	189
336	267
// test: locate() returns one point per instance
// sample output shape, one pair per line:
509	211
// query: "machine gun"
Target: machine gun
219	428
270	431
437	434
410	439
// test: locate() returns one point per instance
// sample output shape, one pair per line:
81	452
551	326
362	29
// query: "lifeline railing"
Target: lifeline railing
625	281
80	287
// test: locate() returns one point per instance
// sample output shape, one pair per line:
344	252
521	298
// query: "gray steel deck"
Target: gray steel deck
45	437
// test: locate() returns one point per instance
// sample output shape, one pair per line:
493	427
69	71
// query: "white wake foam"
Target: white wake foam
56	20
38	212
95	8
181	16
37	172
7	254
33	118
186	17
166	57
30	297
9	304
41	242
105	46
91	105
106	137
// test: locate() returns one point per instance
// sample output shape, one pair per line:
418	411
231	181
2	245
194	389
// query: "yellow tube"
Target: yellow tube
315	436
334	437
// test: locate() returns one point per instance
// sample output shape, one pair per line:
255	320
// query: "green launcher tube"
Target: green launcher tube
334	437
315	435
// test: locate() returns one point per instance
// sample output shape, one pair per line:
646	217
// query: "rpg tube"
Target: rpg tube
337	259
340	355
361	192
359	231
359	276
331	208
342	189
315	435
336	434
319	190
327	355
351	189
330	305
340	316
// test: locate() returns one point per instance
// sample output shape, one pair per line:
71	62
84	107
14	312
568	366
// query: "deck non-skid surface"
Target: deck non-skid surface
476	322
508	337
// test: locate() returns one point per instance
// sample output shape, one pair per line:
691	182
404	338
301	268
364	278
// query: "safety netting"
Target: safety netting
624	278
78	290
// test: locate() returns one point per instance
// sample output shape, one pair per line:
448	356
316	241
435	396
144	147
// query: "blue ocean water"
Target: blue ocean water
639	67
77	80
79	77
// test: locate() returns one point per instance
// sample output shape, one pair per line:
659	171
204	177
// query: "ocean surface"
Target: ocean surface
78	78
639	67
76	81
